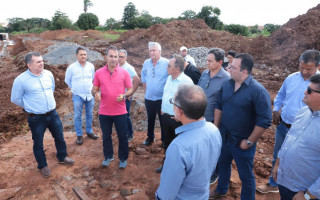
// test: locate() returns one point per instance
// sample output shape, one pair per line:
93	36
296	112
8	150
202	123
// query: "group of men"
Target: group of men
206	120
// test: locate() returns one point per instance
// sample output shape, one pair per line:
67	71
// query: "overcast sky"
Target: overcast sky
245	12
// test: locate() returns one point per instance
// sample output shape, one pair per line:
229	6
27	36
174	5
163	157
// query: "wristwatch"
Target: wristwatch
124	96
249	143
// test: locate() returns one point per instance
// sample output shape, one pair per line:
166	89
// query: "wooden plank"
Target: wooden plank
80	193
59	193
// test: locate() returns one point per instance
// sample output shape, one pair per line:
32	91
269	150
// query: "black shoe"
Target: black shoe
79	140
159	169
92	136
130	138
148	142
66	161
214	178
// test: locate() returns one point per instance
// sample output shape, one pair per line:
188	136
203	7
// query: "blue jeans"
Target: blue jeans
120	122
129	123
78	103
281	133
244	162
153	108
38	125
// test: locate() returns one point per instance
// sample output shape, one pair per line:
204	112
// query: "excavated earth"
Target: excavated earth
275	56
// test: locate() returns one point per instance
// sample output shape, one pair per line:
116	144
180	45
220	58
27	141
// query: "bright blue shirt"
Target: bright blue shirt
299	167
190	160
34	93
170	89
290	95
80	78
244	109
155	78
212	86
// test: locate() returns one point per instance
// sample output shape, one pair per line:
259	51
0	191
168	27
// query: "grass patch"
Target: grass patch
111	36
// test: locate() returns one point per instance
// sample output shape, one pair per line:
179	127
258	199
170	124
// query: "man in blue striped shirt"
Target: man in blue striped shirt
297	169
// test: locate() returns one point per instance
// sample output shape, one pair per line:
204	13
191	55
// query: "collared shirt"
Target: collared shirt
211	87
129	69
155	78
170	89
244	109
79	79
190	160
193	72
111	86
34	93
290	95
190	59
299	167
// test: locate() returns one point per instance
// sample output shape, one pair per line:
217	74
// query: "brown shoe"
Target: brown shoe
67	161
45	171
92	136
215	195
264	189
79	140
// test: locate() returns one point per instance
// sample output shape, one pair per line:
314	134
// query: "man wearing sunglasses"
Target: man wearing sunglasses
297	170
287	104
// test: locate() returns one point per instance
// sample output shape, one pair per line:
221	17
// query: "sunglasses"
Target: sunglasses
309	90
172	102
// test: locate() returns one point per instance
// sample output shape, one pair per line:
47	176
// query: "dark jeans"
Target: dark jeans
120	122
129	123
287	194
244	162
153	108
169	126
38	125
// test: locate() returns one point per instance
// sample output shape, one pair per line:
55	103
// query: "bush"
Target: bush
87	21
237	29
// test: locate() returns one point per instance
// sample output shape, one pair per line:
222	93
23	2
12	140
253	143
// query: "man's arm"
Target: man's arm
17	93
217	117
95	93
135	83
129	93
274	172
255	135
68	77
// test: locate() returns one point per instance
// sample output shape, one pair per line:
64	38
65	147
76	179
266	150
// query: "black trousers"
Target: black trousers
169	126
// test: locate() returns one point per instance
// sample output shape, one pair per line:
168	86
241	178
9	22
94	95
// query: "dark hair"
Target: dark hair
114	48
246	62
310	56
232	53
316	80
80	48
179	61
28	58
192	100
218	53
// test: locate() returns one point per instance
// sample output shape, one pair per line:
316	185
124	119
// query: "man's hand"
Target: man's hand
244	145
299	196
276	117
97	96
175	119
274	172
121	97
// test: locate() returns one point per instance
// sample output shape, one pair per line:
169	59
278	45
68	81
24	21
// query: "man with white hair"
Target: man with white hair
153	76
188	58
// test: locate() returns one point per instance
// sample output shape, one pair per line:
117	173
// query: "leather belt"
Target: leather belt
168	114
45	114
287	125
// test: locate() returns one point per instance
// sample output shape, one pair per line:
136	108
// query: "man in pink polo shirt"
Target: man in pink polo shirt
112	81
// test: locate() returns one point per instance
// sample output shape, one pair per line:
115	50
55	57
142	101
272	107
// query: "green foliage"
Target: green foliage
210	15
87	21
188	14
20	24
111	23
144	20
111	36
2	29
254	29
86	4
237	29
271	27
15	24
60	21
129	14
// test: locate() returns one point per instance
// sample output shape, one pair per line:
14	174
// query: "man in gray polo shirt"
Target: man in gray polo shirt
211	81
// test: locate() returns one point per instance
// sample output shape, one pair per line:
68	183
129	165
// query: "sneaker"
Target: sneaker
215	195
66	161
267	188
148	141
123	164
107	162
130	138
214	178
45	171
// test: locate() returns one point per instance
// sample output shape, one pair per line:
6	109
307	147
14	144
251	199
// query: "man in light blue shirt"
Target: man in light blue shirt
135	82
153	76
287	104
175	78
297	169
193	154
33	91
79	77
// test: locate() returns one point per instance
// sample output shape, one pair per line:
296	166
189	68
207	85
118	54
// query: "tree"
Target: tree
271	27
15	24
254	29
111	23
188	14
87	21
86	4
237	29
211	17
129	15
60	21
144	20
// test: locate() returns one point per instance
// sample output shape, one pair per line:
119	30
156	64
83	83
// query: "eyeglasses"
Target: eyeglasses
121	57
153	72
309	90
207	85
172	102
